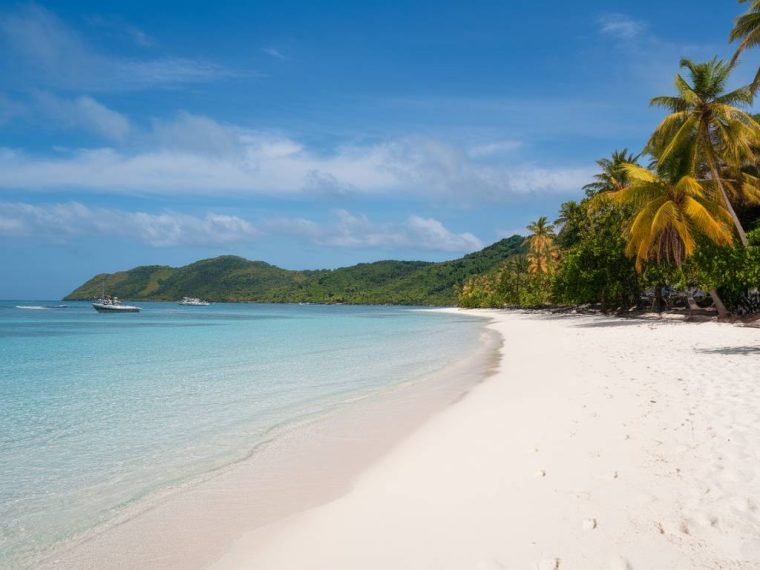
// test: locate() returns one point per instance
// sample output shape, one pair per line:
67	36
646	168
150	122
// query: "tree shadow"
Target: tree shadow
612	323
600	320
744	350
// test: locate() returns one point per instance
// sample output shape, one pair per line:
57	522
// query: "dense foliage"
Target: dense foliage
595	268
231	278
677	224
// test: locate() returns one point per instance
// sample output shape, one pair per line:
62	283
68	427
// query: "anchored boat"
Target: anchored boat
113	305
193	301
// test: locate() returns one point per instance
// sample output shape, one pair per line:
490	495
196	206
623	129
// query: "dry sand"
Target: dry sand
599	443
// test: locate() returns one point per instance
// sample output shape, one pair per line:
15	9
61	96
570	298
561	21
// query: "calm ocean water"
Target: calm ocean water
100	411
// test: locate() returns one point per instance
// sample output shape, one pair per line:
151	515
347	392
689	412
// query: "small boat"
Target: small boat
113	305
193	302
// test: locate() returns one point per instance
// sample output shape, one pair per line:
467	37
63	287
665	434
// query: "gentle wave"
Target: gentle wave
98	412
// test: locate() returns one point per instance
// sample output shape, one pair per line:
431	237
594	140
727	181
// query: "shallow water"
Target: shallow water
100	411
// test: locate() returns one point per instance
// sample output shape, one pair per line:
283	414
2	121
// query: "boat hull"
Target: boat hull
115	308
193	302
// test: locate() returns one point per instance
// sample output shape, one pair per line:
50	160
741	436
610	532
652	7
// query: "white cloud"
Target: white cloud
85	112
59	222
252	163
434	235
196	134
41	48
620	26
176	229
193	154
356	231
550	180
64	221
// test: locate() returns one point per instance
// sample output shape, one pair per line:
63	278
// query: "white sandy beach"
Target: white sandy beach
598	443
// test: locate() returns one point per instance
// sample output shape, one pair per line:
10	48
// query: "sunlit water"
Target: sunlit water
99	411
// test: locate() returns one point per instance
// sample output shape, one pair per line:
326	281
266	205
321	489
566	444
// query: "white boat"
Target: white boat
193	302
113	305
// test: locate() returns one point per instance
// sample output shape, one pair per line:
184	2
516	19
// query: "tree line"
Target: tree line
682	215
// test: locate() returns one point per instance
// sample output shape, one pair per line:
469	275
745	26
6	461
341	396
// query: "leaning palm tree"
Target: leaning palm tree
670	210
541	250
746	29
707	127
612	175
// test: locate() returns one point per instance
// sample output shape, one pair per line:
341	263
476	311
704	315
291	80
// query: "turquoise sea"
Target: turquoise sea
101	411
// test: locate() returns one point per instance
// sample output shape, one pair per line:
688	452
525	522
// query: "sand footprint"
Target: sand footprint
589	524
706	520
548	564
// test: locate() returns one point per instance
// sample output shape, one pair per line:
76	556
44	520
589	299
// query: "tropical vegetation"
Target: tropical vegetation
234	279
686	222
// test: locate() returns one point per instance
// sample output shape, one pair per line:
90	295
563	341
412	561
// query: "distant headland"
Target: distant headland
235	279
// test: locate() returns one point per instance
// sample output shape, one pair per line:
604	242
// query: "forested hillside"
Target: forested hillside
231	278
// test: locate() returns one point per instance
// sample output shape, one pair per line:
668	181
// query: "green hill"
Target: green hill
231	278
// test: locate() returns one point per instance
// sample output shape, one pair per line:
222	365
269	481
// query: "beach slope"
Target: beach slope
598	443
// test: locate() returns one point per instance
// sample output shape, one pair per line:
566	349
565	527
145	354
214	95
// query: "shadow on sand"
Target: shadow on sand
612	323
745	350
600	322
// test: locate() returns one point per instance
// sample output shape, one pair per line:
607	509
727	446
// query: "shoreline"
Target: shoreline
598	443
333	447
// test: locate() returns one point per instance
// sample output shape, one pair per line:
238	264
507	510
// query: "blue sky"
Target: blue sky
314	134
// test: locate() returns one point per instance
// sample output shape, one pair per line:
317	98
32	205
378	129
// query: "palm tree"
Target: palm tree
612	176
541	250
743	185
747	29
513	278
571	219
707	127
670	209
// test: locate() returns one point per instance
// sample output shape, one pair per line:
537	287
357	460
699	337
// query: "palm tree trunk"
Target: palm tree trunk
739	50
727	202
658	298
722	311
690	302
